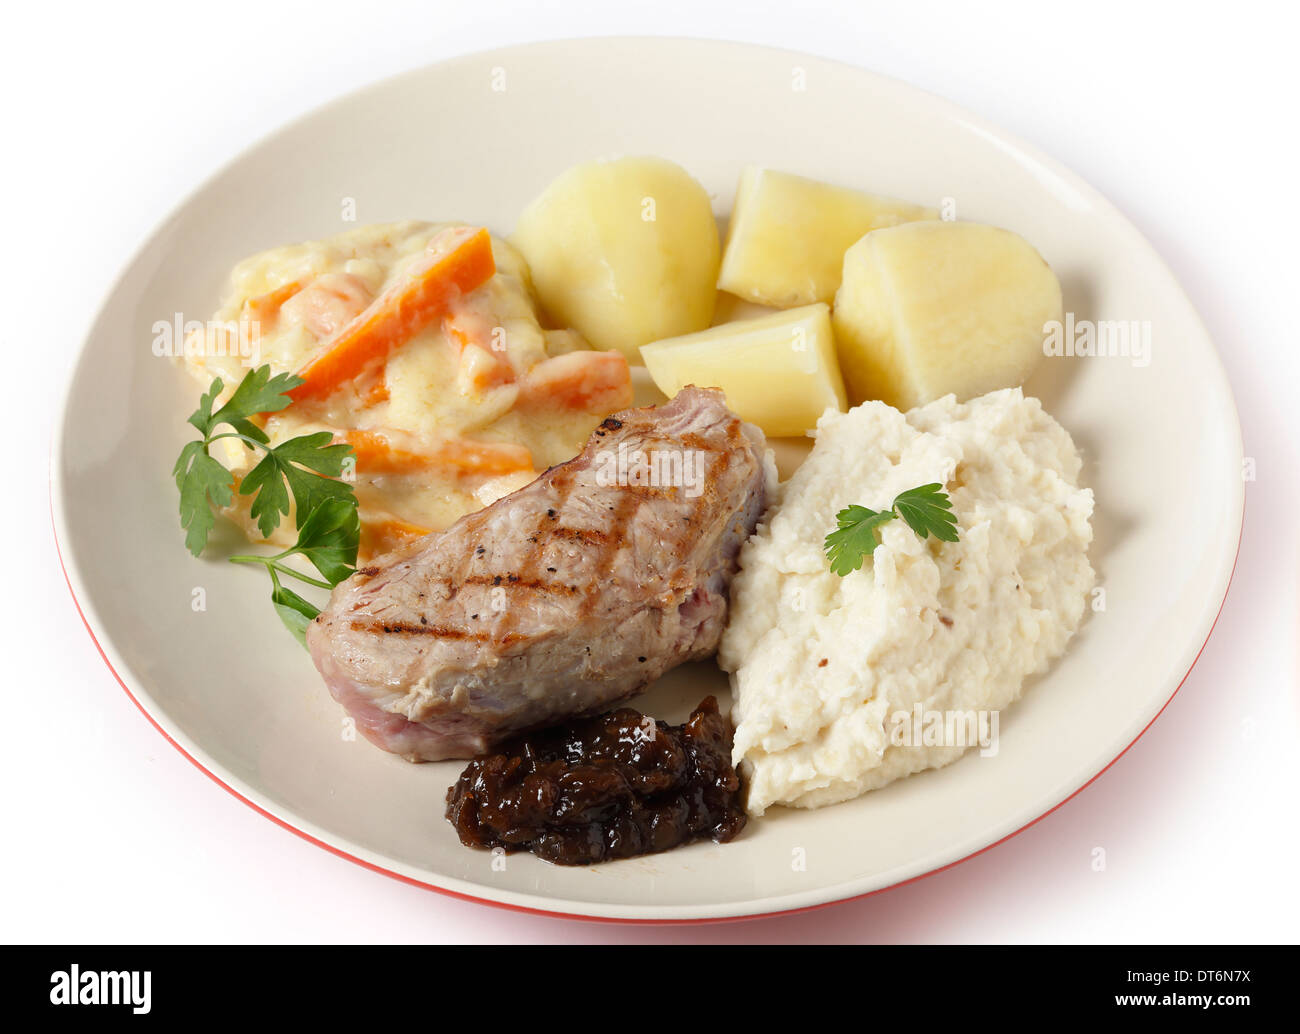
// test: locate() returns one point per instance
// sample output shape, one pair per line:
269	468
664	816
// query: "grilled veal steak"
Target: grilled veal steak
572	593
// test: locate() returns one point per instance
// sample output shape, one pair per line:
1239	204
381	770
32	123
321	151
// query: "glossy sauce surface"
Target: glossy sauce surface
613	786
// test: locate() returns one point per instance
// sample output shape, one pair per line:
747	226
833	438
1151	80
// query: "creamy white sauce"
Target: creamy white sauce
429	394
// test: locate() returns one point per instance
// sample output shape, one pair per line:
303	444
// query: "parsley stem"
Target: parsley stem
242	437
273	564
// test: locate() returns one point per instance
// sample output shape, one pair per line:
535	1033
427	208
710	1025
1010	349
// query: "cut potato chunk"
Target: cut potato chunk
625	252
788	235
777	371
930	308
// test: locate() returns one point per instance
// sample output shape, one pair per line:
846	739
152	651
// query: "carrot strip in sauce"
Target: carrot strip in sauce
458	261
264	306
482	366
382	532
481	370
329	303
590	382
376	454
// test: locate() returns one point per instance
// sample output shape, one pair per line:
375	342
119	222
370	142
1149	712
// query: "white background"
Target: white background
114	112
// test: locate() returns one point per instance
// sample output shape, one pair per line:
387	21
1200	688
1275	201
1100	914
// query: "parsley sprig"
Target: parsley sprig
926	509
304	469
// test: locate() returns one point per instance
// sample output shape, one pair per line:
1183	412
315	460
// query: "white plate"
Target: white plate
475	139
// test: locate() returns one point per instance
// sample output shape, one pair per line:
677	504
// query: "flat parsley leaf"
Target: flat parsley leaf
203	483
202	417
855	538
258	392
927	510
294	611
329	538
297	466
303	469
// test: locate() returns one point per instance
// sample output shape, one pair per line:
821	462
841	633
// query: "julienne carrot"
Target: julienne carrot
458	261
376	454
382	532
590	382
266	306
482	366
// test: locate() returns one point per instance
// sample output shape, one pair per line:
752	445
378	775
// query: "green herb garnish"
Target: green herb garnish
927	511
304	469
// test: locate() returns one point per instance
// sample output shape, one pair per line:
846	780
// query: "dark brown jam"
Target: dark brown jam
614	786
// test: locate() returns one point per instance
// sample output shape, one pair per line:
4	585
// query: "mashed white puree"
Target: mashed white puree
821	664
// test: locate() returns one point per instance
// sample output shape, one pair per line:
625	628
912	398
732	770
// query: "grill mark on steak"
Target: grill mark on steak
378	627
527	581
564	485
584	536
624	513
510	582
406	628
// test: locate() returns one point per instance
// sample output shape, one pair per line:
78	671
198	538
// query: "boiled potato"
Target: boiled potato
625	252
777	371
929	308
788	236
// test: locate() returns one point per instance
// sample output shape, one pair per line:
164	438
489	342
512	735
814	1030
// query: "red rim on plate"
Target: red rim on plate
72	572
614	919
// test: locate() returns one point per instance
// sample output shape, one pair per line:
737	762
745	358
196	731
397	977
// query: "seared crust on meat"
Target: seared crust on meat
559	599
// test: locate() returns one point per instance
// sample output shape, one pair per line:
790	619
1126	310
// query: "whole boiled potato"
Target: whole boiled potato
931	308
625	252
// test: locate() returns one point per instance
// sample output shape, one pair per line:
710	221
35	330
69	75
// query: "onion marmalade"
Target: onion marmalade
613	786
